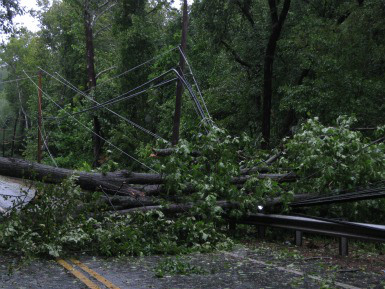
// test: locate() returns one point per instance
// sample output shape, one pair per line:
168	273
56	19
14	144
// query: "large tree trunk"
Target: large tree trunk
109	182
91	79
179	88
271	205
175	208
116	182
277	24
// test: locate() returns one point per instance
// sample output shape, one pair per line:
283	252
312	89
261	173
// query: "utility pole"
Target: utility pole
88	15
179	88
39	136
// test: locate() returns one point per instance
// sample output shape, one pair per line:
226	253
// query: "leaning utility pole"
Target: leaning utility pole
39	136
91	77
179	88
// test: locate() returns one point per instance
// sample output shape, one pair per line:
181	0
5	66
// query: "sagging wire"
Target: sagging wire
90	130
68	84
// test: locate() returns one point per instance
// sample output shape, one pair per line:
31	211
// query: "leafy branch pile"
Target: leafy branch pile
64	219
332	160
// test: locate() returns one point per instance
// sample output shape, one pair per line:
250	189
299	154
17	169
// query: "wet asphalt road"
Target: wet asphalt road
242	268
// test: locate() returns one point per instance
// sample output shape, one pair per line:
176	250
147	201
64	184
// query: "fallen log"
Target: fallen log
274	204
169	151
109	182
174	208
152	179
119	182
130	202
264	169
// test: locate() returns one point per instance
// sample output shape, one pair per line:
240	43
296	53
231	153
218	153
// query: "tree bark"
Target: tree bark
175	208
272	205
179	88
109	182
277	24
116	182
122	203
91	79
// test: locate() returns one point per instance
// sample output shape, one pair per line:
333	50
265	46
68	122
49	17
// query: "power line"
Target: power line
45	141
118	98
84	126
198	107
195	81
68	84
138	66
13	80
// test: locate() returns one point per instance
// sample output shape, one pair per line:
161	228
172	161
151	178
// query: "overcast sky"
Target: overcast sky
33	24
27	20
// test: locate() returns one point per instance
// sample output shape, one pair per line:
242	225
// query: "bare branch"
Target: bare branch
104	28
157	7
245	9
102	12
236	55
104	71
106	3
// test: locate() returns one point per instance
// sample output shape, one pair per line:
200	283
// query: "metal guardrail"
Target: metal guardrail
341	229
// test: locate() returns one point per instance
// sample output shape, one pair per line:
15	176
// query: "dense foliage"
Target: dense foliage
329	62
59	222
326	87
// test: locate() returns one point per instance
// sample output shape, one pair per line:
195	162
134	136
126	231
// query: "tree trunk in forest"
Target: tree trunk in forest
91	79
277	24
291	117
179	88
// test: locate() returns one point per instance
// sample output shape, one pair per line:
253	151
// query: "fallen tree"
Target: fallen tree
119	181
273	204
109	182
130	190
175	208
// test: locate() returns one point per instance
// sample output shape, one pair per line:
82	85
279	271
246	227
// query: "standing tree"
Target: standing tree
276	29
92	11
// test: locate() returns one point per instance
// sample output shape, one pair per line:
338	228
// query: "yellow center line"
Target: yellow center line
78	274
97	276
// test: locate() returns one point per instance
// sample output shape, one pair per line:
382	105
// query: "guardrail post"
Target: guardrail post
261	231
344	248
298	238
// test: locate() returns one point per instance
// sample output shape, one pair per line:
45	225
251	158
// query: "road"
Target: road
242	268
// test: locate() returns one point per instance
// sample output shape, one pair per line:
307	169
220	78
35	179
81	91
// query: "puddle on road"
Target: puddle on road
14	192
